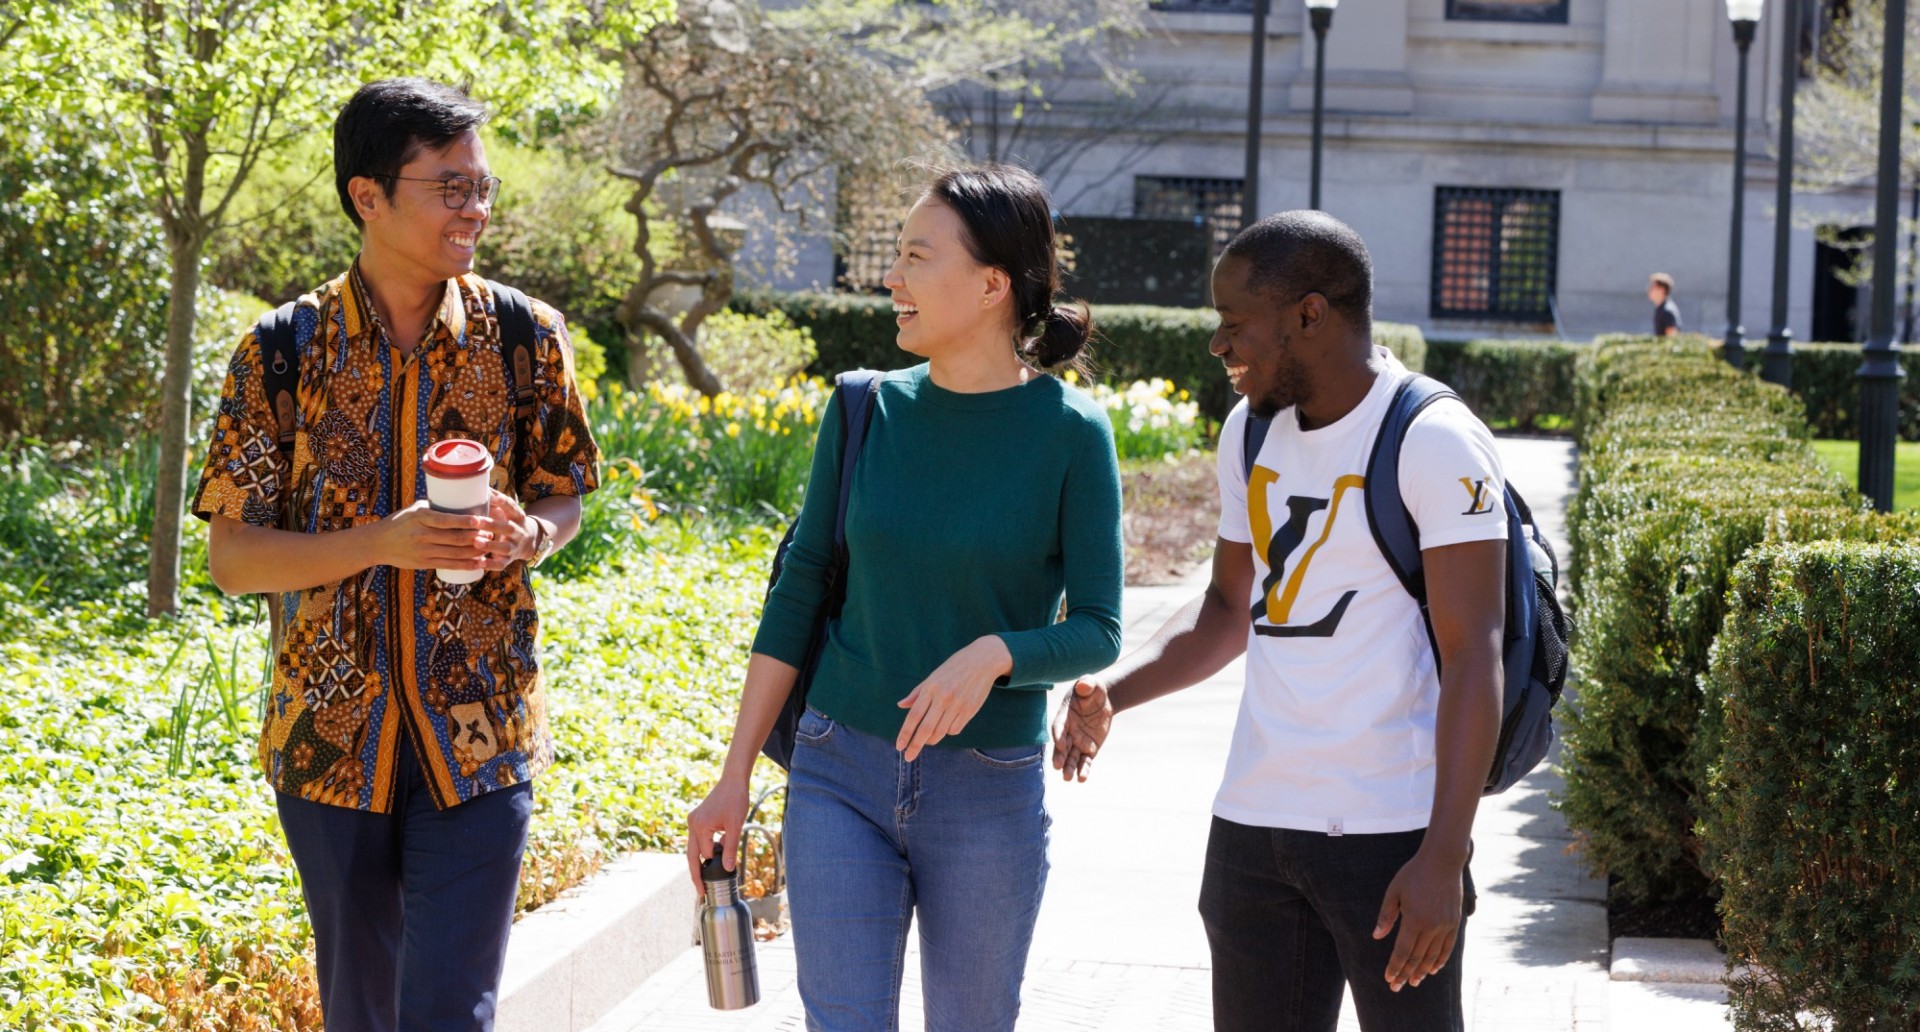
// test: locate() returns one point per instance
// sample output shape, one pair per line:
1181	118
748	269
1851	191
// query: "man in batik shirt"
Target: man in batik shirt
407	717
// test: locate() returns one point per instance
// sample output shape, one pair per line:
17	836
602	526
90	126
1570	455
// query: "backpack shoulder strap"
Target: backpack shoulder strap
1387	516
280	370
515	315
858	389
1253	435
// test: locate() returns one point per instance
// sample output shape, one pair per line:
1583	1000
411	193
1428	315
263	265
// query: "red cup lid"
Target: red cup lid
458	457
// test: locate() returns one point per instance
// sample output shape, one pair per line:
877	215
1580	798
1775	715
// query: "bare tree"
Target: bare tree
730	103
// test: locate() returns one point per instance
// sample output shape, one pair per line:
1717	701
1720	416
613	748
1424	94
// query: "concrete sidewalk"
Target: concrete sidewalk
1119	944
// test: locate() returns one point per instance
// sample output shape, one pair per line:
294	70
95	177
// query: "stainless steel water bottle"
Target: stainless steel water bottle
726	937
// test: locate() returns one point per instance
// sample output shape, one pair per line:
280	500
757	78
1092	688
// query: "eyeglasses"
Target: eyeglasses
455	191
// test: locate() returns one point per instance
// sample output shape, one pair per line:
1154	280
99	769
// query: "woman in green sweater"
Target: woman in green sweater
986	489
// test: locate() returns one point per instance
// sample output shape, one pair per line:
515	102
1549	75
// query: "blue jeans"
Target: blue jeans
411	908
958	835
1290	917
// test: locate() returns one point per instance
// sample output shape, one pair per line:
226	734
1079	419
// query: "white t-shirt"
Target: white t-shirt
1336	727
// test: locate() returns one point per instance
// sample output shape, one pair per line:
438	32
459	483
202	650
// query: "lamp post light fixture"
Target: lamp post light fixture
1777	367
1256	84
1879	373
1745	15
1320	16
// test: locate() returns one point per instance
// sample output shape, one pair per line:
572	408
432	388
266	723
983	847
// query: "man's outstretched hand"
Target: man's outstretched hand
1080	727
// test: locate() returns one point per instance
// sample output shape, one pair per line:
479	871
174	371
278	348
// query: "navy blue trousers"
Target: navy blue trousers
410	909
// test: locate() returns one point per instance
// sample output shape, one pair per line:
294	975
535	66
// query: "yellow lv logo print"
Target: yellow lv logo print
1480	500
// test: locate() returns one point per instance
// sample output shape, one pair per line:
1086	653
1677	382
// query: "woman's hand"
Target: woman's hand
942	704
723	812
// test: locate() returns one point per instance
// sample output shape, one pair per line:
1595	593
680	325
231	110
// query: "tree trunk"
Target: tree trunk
176	416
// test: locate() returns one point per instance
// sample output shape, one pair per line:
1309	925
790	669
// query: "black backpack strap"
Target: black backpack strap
1253	436
1394	530
280	371
858	390
515	315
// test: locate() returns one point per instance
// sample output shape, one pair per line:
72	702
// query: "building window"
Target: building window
1549	12
1217	201
1206	6
1495	253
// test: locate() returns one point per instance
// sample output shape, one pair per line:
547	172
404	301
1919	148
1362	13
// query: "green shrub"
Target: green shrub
1508	382
1815	816
1823	378
755	352
1687	464
1131	342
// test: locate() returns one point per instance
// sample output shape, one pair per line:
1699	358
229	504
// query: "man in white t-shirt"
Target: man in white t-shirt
1357	761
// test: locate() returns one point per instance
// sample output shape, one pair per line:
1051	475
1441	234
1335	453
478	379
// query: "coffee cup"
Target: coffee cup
458	481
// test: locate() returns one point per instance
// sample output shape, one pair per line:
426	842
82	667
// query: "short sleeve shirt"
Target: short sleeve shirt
1666	316
1337	725
390	654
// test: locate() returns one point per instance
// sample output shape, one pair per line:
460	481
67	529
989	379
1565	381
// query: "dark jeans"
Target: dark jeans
1289	918
410	909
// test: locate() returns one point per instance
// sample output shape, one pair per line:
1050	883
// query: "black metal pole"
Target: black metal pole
1735	334
1256	83
1880	371
1322	18
1777	367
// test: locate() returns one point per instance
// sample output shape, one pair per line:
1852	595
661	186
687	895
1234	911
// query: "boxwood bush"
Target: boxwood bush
1823	377
1133	342
1508	383
1686	466
1815	816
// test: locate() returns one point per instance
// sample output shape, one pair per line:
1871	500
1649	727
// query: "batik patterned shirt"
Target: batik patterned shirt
387	658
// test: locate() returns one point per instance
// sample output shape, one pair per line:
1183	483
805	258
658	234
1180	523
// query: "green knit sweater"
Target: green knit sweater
969	515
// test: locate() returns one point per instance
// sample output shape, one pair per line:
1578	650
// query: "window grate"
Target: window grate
1495	253
1216	201
1547	12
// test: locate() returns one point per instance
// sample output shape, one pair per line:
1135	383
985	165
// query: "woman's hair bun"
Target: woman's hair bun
1061	335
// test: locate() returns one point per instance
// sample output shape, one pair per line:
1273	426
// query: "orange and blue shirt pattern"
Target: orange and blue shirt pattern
389	655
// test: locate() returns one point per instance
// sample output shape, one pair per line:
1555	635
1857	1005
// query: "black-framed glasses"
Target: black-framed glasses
455	191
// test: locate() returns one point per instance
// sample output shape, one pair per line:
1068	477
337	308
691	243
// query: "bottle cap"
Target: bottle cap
711	869
458	457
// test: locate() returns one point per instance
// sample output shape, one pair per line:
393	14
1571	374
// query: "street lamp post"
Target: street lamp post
1880	372
1745	14
1320	16
1778	364
1256	83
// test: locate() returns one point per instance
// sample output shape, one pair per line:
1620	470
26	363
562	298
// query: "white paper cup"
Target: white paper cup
458	472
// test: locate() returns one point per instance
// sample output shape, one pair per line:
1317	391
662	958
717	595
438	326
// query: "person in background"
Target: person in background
1666	314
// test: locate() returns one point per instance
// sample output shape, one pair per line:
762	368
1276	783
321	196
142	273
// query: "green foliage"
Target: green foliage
1686	466
1131	342
142	855
1815	815
1823	377
1508	383
755	352
82	291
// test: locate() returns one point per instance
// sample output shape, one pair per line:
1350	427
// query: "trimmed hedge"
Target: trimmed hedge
1132	342
1508	383
1823	377
1686	465
1815	807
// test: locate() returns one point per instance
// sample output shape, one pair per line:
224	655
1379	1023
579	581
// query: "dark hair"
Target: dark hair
389	122
1301	252
1009	225
1663	281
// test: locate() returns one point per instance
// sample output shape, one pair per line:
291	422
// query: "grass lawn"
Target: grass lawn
1844	456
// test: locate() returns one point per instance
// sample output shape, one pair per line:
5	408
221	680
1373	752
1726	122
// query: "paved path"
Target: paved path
1119	945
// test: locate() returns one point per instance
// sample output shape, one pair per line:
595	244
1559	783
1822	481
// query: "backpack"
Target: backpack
857	390
280	375
1534	653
